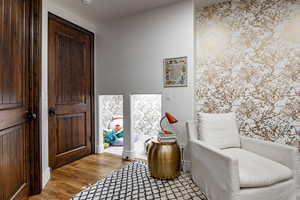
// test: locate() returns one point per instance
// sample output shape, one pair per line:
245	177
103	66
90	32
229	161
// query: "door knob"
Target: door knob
31	116
52	111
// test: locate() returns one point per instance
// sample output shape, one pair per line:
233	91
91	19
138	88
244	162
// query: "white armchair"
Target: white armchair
241	168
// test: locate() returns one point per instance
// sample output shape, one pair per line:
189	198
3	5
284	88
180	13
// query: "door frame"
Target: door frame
35	60
92	90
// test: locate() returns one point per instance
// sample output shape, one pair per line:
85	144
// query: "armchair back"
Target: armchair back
191	130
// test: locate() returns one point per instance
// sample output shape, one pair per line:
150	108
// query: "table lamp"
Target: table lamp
171	119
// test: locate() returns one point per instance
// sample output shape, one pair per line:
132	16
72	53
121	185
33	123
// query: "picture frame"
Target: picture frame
175	72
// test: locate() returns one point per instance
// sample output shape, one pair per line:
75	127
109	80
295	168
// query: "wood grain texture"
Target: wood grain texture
14	168
70	91
12	50
14	103
20	62
34	61
70	179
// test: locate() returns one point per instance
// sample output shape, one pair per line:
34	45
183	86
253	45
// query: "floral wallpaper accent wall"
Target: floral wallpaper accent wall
248	62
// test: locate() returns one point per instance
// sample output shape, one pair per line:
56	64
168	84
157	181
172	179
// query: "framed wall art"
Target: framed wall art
175	72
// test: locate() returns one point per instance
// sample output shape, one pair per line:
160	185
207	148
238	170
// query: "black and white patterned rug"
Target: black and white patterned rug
134	182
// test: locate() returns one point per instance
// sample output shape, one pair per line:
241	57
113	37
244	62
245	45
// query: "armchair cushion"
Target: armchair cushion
219	130
257	171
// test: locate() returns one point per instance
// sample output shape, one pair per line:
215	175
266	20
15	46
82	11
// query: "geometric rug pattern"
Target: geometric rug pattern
134	182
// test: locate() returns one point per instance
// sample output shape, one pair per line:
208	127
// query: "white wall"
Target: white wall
132	52
44	98
129	59
49	6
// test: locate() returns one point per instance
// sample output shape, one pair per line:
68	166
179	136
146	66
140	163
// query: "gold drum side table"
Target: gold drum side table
164	160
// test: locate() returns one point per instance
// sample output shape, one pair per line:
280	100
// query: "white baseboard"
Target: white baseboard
128	155
46	176
187	166
99	149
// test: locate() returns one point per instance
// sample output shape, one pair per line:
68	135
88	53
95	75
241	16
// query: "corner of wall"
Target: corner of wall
72	17
49	6
44	96
46	176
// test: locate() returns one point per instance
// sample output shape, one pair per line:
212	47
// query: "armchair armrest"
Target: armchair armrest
217	174
283	154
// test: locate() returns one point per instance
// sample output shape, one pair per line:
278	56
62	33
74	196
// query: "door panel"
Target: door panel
12	46
12	116
70	91
14	99
70	52
14	161
70	132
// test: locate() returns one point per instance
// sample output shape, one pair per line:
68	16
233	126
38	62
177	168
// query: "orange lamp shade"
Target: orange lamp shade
171	118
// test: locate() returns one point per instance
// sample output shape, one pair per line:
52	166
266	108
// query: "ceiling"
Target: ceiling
105	10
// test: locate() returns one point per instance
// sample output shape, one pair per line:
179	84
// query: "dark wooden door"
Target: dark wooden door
14	99
70	91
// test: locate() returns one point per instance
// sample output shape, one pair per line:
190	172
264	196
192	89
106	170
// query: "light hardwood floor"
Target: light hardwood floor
73	178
